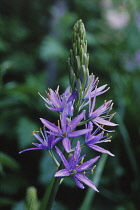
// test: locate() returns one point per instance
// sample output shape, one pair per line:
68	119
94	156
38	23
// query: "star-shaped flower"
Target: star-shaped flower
57	102
91	139
100	115
66	129
91	90
75	168
47	141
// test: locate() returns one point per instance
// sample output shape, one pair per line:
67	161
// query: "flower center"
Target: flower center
73	172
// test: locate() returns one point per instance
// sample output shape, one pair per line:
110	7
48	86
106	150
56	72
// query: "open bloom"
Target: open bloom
65	131
47	141
75	168
91	90
91	139
57	102
100	115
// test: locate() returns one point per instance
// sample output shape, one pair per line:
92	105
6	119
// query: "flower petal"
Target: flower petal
77	119
78	132
62	173
65	162
94	139
35	148
78	183
49	125
87	164
72	96
86	181
77	150
38	137
100	149
104	122
66	144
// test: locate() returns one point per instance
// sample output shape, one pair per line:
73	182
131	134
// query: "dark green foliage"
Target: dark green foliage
35	38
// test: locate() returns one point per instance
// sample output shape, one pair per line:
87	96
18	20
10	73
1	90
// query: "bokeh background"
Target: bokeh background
35	38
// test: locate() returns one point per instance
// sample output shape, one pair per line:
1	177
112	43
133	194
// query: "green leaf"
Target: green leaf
8	161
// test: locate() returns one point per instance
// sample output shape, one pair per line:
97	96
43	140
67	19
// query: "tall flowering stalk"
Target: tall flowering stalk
71	106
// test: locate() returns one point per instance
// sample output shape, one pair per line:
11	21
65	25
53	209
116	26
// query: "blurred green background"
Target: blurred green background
35	38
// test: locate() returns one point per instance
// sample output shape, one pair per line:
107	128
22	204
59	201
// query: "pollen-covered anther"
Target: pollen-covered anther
35	132
108	140
82	160
92	170
70	155
84	173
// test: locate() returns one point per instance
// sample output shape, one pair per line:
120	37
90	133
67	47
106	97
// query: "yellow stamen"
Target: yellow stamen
35	132
108	140
82	160
70	155
92	170
84	173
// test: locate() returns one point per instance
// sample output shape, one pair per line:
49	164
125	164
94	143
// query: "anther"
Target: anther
82	160
84	173
35	132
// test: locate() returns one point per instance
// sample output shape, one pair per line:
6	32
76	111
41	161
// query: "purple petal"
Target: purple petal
100	149
29	149
87	164
54	142
65	162
38	137
66	144
77	119
78	183
72	96
63	172
104	122
77	150
78	132
86	181
95	139
54	99
49	125
53	109
63	122
102	127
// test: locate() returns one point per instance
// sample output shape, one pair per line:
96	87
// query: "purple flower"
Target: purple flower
47	141
65	131
56	102
75	168
91	139
99	116
92	90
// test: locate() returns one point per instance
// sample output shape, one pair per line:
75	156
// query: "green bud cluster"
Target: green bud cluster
79	60
31	198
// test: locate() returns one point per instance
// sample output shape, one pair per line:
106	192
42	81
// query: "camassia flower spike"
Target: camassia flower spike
65	128
47	141
75	167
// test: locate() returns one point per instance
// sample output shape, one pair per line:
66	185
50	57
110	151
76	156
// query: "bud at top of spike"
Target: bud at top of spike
79	59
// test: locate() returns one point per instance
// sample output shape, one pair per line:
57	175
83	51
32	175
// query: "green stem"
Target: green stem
51	191
96	179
